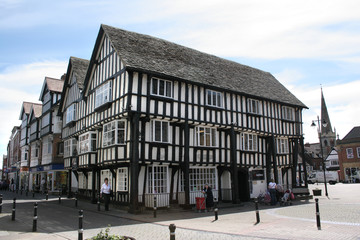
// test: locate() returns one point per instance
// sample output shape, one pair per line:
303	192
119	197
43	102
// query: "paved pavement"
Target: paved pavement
340	219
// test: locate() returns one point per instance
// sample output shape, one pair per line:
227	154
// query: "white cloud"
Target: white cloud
341	100
22	83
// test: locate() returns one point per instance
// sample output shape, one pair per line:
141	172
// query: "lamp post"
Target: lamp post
323	124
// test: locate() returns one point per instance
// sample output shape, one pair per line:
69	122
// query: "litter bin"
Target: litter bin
317	192
200	203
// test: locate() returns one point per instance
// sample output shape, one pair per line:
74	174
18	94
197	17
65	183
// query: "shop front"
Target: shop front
56	178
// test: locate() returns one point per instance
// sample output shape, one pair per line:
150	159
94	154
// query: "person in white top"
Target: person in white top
272	190
105	191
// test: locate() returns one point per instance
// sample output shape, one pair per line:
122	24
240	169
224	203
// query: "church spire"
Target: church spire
325	116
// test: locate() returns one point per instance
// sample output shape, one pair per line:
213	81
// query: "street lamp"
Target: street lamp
323	124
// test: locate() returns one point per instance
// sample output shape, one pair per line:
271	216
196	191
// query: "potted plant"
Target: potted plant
106	236
317	192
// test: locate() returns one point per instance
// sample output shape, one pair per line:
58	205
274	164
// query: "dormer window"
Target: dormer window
161	87
213	98
288	113
103	94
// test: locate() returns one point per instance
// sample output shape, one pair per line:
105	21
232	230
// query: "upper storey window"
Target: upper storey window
87	142
114	133
103	94
70	113
206	137
248	142
161	87
253	106
288	113
282	145
213	98
160	131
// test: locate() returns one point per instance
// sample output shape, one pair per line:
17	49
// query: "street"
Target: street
340	219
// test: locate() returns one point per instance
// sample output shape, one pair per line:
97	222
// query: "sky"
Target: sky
305	44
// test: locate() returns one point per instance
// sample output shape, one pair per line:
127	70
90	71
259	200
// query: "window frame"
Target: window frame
101	92
250	106
123	179
157	179
69	148
153	131
210	98
285	113
348	154
71	111
89	144
166	86
213	133
282	146
199	176
116	129
248	142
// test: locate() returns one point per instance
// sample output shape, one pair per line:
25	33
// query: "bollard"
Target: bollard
257	211
172	228
98	202
13	210
26	192
81	230
47	195
76	200
33	193
0	203
59	197
35	217
216	213
317	214
155	204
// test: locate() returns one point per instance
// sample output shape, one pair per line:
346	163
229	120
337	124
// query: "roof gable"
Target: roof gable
153	55
52	85
25	109
78	68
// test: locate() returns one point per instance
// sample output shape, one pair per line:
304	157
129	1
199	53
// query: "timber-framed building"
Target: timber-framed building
159	119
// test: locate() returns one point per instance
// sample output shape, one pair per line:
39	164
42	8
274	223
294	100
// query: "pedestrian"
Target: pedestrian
42	185
209	198
272	190
105	191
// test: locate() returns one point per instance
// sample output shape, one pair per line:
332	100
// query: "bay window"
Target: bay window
87	142
114	133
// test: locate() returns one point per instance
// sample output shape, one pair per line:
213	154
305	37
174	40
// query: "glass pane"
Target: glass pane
165	132
168	89
161	88
209	97
121	136
214	98
154	86
157	131
218	102
201	136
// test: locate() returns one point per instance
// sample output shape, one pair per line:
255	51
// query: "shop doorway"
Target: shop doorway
243	180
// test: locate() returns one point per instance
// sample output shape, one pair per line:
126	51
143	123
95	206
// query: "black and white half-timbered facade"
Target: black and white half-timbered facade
72	110
159	119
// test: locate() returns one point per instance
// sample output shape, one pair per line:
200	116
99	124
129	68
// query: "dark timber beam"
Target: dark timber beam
93	185
134	161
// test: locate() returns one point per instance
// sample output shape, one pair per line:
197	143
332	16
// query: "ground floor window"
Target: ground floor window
157	179
352	174
122	179
201	176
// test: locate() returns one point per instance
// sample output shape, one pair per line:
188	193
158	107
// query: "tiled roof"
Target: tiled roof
54	85
37	109
79	68
353	134
149	54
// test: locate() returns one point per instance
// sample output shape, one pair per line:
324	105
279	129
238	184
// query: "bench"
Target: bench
302	193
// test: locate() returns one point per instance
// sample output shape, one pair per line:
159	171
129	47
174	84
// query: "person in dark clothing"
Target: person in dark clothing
208	197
